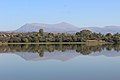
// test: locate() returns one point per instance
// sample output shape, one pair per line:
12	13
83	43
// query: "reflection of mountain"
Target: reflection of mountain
107	53
59	52
63	56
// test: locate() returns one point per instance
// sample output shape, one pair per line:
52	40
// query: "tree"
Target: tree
41	32
84	35
25	40
109	37
116	38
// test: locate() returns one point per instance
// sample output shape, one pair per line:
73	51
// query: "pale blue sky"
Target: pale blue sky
82	13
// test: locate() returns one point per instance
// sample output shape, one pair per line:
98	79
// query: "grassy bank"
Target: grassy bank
90	43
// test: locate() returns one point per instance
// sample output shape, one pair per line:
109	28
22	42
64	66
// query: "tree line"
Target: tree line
41	36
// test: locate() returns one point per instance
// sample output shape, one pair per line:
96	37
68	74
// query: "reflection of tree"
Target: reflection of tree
50	48
40	49
83	50
109	47
86	50
116	47
41	53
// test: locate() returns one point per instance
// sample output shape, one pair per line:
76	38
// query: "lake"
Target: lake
59	62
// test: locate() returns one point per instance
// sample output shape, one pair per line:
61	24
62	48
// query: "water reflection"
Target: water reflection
59	51
80	63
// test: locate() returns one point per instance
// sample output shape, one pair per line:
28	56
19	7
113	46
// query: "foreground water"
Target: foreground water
59	62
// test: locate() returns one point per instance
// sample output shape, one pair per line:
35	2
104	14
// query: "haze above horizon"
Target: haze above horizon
82	13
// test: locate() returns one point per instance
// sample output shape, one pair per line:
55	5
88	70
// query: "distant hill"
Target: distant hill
64	27
104	30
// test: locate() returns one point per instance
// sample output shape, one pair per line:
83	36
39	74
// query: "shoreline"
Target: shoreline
61	43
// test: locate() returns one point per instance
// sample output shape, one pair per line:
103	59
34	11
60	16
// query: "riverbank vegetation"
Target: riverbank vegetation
41	36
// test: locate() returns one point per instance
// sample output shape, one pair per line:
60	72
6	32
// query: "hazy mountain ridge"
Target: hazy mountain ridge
64	27
104	30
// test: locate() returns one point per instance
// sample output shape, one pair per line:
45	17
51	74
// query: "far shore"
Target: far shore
91	43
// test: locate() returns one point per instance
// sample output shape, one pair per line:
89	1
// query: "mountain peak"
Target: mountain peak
38	24
64	23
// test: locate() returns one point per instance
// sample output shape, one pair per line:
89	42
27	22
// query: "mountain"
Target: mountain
55	28
64	27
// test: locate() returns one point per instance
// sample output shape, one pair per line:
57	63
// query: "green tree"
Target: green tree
41	32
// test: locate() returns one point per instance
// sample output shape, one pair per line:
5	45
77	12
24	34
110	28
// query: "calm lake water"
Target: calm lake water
59	62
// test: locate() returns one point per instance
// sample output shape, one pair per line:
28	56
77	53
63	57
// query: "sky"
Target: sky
82	13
